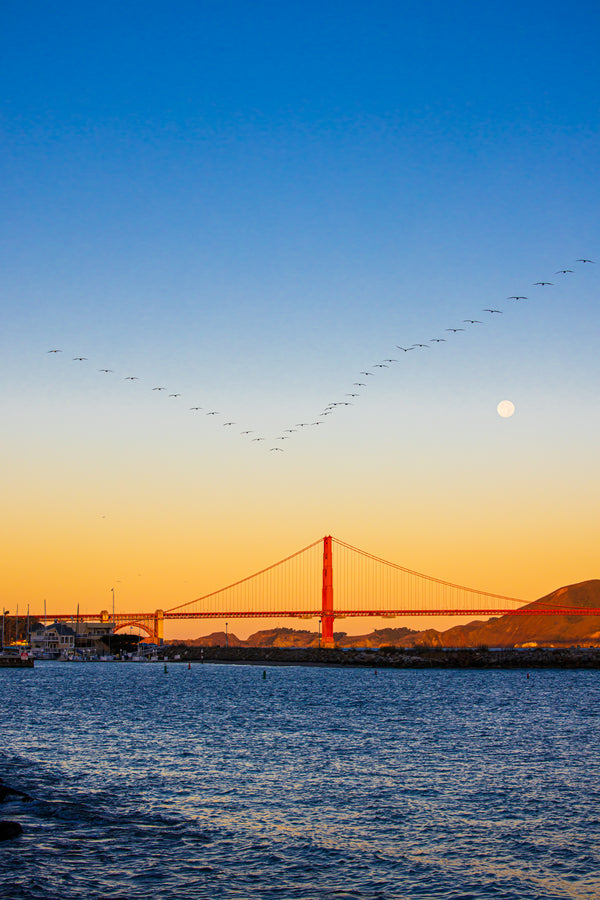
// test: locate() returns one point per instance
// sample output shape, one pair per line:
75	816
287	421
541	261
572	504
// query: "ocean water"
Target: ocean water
216	782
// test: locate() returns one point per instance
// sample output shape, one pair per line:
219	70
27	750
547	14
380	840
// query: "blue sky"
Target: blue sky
253	202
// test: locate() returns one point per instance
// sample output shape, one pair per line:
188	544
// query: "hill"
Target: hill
512	631
504	631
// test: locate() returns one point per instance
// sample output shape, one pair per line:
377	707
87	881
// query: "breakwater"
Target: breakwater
397	658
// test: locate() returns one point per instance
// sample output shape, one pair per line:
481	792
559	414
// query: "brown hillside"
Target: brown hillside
508	631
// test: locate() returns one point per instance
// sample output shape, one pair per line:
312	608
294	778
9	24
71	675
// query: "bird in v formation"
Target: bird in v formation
365	373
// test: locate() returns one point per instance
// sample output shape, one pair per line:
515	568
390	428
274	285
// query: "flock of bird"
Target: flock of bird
357	386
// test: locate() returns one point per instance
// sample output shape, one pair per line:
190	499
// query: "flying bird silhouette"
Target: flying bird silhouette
564	272
159	389
106	371
454	330
79	358
438	340
473	321
53	351
493	311
584	260
174	395
542	283
131	378
406	349
517	297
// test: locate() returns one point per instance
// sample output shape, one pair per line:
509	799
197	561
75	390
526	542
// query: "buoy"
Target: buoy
264	674
165	667
189	665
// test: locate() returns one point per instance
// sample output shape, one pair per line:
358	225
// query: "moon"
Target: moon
505	409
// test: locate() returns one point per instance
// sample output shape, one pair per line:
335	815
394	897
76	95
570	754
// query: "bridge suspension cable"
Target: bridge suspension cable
366	584
291	586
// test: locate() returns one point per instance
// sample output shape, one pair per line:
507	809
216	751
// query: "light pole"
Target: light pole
4	613
226	644
110	647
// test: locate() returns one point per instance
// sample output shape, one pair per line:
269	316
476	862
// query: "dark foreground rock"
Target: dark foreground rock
9	830
397	657
8	793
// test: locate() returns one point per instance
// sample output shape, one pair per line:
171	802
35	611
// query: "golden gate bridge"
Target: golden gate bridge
301	586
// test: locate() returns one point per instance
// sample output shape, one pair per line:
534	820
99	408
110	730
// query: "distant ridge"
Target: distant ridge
543	630
505	631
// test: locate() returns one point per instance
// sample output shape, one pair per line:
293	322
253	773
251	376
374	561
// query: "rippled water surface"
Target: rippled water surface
214	782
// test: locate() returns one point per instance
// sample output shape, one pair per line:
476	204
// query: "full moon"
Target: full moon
505	409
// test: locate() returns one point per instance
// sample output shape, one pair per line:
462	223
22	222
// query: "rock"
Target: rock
9	830
8	793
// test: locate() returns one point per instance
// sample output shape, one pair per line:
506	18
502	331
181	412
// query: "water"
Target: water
311	783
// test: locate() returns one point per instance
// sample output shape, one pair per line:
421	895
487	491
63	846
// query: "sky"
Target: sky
249	204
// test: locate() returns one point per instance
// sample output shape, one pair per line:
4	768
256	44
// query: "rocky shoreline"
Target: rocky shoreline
396	657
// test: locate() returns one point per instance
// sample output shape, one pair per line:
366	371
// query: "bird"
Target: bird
213	413
406	349
564	272
54	351
174	395
421	346
454	330
438	340
245	432
473	321
542	283
131	378
258	439
195	408
277	449
106	371
290	430
390	360
228	423
351	395
517	297
380	366
159	389
283	438
493	311
584	260
318	423
366	373
79	358
358	384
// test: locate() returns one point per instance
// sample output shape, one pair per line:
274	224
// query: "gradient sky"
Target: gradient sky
250	203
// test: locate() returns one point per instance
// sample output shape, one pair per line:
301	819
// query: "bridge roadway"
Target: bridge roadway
153	623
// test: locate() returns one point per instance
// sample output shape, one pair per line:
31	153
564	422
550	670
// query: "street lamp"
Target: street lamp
226	644
4	613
